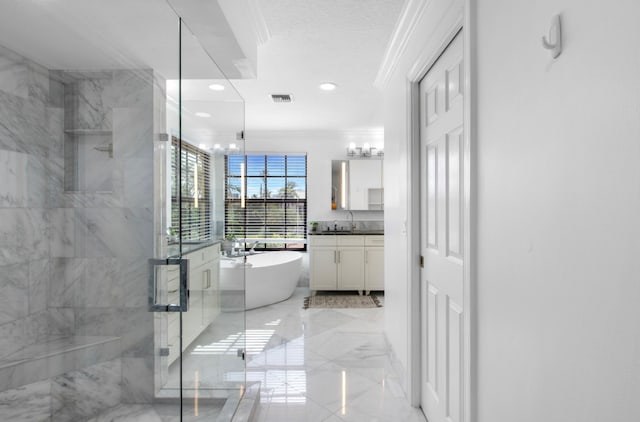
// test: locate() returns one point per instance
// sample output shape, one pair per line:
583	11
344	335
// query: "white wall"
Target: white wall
321	147
559	200
434	20
558	187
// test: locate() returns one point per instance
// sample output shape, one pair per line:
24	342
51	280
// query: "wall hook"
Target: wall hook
554	43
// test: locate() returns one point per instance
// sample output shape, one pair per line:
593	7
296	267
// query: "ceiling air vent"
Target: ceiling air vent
281	98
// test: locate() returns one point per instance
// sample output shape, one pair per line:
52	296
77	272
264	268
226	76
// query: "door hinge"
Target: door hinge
421	261
240	136
164	351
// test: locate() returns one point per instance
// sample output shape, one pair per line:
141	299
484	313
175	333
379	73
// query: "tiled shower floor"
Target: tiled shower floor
157	413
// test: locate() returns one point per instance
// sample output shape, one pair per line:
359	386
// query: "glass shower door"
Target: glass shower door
200	329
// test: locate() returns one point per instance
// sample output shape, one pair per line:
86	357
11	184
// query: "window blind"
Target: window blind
276	199
194	194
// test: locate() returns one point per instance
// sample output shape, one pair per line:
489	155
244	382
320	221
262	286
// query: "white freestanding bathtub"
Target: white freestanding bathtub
270	277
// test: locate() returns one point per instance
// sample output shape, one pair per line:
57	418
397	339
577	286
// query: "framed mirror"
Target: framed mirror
357	185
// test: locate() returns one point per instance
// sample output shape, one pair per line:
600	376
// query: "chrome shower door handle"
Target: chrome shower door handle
154	305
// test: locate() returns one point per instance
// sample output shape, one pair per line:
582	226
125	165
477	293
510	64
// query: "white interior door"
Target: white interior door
441	207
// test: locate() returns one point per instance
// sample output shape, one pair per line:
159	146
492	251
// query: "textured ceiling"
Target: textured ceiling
307	42
312	41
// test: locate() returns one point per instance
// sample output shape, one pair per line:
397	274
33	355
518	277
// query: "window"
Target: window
276	199
195	192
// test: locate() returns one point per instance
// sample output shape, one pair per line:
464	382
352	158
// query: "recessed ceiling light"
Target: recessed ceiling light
202	114
216	87
328	86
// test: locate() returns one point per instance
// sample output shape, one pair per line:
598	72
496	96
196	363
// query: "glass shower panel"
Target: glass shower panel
93	128
213	330
83	100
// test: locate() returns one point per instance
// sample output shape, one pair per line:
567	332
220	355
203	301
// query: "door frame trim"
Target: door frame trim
465	21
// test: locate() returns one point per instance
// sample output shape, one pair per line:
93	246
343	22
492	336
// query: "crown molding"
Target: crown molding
318	134
405	26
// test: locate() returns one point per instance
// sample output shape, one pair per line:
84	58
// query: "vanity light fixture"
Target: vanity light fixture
202	114
195	184
327	86
242	189
365	151
343	184
216	87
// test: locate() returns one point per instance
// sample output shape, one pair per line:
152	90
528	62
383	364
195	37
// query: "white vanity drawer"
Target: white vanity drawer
202	256
173	285
173	297
337	240
349	240
328	240
173	272
374	240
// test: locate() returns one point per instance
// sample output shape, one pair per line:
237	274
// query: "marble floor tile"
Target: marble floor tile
329	365
316	365
292	412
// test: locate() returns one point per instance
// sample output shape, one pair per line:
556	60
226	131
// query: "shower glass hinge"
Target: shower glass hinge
164	351
421	261
240	353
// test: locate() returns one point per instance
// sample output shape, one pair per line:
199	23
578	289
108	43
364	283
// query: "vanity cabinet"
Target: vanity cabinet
374	263
339	262
323	265
204	298
350	267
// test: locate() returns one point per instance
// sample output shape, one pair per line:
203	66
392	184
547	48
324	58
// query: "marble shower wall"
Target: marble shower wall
76	223
104	232
31	128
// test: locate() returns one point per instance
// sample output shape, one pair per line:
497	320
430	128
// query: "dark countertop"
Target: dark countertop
347	233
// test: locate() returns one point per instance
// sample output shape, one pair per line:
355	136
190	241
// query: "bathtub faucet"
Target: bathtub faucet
253	246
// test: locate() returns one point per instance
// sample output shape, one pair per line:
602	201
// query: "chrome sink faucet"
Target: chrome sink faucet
352	226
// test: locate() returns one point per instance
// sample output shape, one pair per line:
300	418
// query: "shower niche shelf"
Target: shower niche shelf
88	160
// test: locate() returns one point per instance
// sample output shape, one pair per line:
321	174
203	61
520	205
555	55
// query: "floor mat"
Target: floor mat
341	301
